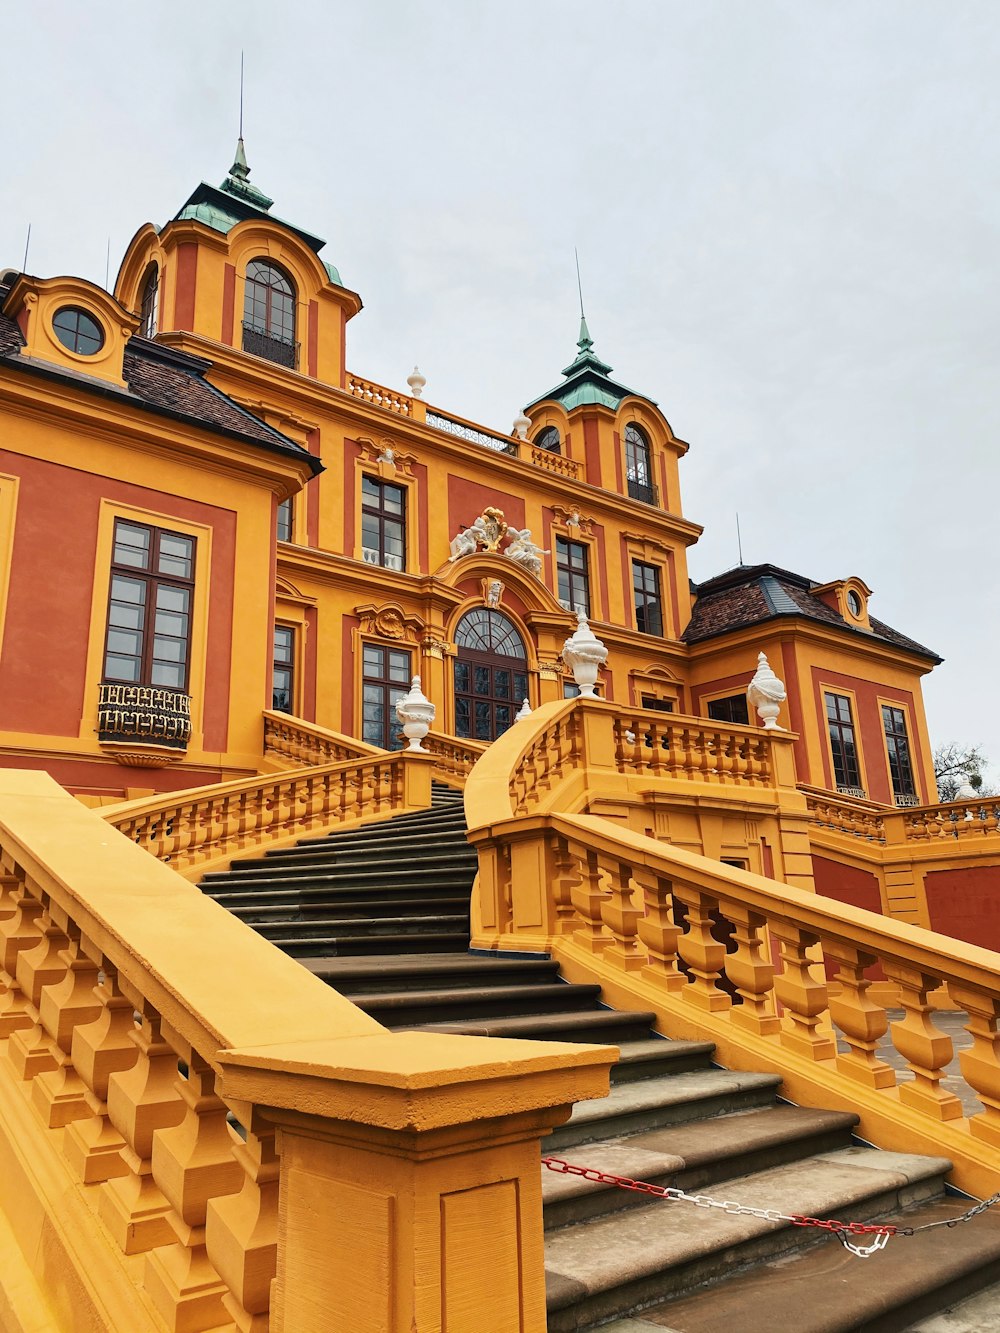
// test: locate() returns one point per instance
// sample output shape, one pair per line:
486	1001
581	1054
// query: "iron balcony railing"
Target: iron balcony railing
642	490
144	713
282	351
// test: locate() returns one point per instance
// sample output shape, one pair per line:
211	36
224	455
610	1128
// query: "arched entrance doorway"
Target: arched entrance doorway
491	674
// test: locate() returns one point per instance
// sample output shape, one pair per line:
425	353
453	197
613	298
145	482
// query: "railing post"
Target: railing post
417	770
410	1195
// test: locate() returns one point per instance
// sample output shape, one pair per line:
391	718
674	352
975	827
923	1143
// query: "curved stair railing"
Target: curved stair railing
790	993
166	1074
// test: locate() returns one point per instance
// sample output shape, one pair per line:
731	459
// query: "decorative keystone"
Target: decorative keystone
584	654
416	712
416	381
766	693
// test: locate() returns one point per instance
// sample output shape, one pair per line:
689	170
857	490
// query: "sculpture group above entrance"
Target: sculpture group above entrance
488	531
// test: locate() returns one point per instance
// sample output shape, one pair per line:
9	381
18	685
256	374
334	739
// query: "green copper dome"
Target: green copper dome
588	380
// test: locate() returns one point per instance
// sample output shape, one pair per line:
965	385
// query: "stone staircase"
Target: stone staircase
381	913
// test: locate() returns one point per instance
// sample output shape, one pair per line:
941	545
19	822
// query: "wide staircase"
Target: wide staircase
380	912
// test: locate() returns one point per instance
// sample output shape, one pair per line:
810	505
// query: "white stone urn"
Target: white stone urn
522	424
584	654
416	381
523	712
766	693
416	712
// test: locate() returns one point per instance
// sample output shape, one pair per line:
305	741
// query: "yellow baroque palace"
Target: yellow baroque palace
288	1007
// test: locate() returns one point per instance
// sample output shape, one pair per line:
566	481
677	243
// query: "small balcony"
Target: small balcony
642	490
906	799
858	792
143	726
279	350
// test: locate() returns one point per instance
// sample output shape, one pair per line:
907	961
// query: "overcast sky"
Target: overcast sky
786	210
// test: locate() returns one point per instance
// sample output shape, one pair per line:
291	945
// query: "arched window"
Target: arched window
149	310
638	467
549	440
491	676
269	314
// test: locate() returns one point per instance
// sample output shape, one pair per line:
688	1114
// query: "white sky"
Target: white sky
787	214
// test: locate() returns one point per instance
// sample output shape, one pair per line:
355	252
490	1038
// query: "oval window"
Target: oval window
77	331
854	603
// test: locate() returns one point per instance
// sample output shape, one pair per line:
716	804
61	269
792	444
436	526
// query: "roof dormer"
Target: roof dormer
72	324
849	598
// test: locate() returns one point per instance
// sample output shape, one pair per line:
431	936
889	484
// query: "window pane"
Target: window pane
168	622
172	599
503	717
462	718
131	546
462	677
370	489
399	666
168	675
283	643
127	590
392	499
484	731
501	684
373	694
169	650
520	686
176	555
126	615
374	660
125	641
482	675
121	668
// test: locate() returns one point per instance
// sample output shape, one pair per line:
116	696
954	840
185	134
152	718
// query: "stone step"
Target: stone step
238	900
392	876
429	854
347	908
603	1026
825	1289
334	946
400	826
625	1261
668	1099
361	976
658	1055
406	1008
332	927
691	1156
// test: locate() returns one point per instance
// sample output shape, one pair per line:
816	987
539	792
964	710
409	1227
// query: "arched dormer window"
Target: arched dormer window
638	466
269	314
549	440
149	308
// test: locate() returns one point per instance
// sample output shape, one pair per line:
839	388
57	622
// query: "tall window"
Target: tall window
383	523
285	521
648	608
283	673
491	674
149	611
386	679
897	743
638	468
149	311
846	768
731	709
573	575
269	314
549	439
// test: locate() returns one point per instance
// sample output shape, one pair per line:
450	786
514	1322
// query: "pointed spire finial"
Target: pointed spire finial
585	342
239	169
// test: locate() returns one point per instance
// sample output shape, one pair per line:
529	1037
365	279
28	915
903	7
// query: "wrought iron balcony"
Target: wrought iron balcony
642	490
280	350
906	800
859	792
143	726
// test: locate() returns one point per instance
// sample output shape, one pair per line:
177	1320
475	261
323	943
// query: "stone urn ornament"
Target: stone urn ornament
523	712
766	693
584	654
416	712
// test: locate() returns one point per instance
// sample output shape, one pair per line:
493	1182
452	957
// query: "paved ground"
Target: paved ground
952	1023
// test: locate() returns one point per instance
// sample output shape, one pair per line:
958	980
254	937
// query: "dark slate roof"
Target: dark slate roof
165	381
754	594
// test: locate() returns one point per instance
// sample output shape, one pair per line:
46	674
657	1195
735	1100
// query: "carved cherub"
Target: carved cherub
525	552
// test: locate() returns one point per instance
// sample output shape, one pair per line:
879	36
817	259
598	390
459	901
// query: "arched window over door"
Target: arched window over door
269	314
491	674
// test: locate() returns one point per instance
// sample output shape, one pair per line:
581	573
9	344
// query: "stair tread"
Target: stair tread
670	1090
601	1253
610	1018
425	964
669	1152
775	1292
662	1048
470	995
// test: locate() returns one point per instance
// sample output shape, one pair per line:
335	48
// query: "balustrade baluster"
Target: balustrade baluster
241	1229
61	1095
564	877
29	1050
92	1147
980	1064
620	915
141	1100
860	1021
588	893
927	1050
193	1162
10	886
657	931
803	998
751	971
18	932
704	955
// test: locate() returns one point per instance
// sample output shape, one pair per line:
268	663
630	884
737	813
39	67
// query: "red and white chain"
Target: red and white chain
844	1231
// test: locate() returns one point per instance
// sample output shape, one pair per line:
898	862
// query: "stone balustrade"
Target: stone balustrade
379	396
696	749
454	758
293	740
167	1075
558	463
855	819
210	824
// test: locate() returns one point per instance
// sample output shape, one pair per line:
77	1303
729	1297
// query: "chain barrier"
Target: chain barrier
880	1232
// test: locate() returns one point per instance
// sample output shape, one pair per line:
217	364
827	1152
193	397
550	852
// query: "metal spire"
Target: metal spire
585	342
239	169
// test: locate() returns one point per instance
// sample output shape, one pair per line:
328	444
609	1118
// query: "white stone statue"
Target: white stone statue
467	541
584	654
766	693
416	712
524	552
